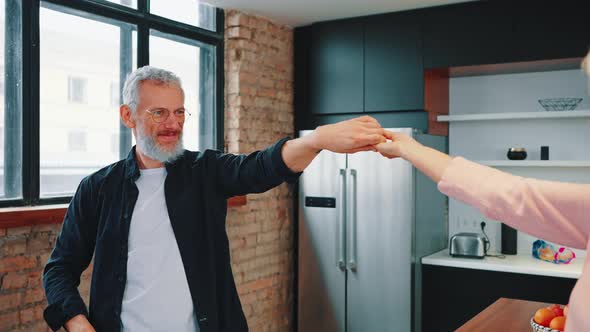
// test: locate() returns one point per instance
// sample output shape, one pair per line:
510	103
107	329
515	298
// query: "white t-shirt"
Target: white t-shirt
157	297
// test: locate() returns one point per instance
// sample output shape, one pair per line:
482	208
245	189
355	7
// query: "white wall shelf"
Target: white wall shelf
535	163
515	116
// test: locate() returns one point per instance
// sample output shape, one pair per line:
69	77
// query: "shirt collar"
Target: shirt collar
132	167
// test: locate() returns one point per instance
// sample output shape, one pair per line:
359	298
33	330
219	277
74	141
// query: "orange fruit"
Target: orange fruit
544	316
557	323
557	309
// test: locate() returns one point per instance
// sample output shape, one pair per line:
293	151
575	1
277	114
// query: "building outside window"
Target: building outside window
76	141
76	90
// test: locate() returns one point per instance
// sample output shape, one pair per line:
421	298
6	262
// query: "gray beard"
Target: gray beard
148	146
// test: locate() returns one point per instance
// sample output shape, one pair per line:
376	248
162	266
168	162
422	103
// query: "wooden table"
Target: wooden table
504	315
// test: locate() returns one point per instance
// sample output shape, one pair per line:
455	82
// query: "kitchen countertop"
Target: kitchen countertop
504	315
525	264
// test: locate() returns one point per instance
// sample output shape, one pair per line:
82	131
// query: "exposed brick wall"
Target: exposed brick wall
259	111
23	253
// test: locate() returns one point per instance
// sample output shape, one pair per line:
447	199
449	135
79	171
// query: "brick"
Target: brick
239	32
237	243
34	295
10	301
36	327
34	279
38	242
255	285
247	78
10	264
18	231
244	254
14	280
268	237
13	247
236	19
52	228
32	314
8	321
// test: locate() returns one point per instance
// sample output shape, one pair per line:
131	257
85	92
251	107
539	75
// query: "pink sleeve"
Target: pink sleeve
554	211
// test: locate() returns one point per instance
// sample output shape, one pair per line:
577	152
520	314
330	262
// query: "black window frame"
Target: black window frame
28	137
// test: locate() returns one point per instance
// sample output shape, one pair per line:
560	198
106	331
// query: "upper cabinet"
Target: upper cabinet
491	32
336	67
467	34
366	65
394	78
551	30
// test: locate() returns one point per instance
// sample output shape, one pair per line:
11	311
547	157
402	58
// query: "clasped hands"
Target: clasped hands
362	134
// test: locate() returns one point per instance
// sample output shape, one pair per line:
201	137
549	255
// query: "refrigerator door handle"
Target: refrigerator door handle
341	247
352	263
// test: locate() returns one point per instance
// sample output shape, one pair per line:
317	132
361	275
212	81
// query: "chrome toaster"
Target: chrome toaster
471	245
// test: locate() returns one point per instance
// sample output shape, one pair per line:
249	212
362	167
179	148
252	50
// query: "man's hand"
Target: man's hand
359	134
354	135
79	323
399	144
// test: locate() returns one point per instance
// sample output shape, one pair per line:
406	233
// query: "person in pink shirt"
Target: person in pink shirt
555	211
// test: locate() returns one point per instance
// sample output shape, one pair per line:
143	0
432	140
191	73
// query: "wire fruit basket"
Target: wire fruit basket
560	104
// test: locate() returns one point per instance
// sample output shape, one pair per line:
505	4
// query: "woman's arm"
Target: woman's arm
555	211
429	161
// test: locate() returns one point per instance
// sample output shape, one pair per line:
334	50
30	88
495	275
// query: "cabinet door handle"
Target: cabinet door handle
352	263
341	247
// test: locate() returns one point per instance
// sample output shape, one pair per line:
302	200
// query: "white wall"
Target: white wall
568	139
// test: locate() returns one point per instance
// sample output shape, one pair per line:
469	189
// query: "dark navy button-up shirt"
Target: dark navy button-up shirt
197	187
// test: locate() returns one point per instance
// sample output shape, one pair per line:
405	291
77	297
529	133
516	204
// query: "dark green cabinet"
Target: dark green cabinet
491	32
473	33
336	67
366	65
394	78
551	30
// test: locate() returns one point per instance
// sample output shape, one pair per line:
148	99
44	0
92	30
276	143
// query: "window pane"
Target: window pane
82	61
10	100
192	62
128	3
192	12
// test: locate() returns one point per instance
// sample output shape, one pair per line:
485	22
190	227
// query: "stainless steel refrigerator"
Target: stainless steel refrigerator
364	223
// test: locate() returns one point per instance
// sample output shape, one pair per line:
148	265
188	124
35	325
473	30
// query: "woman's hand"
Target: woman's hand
398	146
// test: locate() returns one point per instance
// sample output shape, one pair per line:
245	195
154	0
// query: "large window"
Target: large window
62	86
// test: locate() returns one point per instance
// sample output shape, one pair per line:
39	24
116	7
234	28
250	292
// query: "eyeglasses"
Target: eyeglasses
160	115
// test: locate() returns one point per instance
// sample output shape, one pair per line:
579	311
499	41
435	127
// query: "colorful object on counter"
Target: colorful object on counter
547	252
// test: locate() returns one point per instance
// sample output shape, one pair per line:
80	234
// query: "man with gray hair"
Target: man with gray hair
155	222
